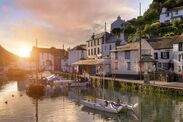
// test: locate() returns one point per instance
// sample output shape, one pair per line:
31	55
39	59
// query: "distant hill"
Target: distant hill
149	22
6	57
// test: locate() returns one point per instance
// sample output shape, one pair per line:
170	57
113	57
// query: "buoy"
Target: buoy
6	102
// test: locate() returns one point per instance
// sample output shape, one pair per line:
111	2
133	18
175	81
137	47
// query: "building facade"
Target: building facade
178	55
169	15
75	54
95	45
48	59
125	59
163	52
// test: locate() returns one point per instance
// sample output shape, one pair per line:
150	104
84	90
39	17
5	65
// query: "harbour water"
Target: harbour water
63	105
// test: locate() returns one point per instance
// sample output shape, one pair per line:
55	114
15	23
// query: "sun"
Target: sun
24	52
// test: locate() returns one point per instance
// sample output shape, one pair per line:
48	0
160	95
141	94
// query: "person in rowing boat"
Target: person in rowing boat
116	104
106	103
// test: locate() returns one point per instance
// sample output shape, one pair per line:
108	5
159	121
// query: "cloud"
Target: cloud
76	15
57	22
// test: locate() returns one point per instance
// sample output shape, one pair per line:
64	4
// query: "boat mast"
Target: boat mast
140	46
36	62
103	61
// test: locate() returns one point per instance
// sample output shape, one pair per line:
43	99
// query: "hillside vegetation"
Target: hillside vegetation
149	22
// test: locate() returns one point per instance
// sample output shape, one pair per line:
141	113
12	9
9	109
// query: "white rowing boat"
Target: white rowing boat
111	108
102	107
127	106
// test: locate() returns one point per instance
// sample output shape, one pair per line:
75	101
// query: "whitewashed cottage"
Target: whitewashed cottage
169	15
75	54
125	59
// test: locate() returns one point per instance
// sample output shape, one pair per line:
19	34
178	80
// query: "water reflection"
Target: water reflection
125	116
63	104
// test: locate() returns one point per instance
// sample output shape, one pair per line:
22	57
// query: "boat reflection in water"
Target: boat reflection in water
110	116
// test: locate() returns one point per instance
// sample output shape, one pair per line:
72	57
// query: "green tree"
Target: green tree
169	4
116	31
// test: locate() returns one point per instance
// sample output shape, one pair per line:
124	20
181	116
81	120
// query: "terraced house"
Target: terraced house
169	15
125	59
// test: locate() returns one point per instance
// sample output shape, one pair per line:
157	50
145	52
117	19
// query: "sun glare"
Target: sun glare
24	52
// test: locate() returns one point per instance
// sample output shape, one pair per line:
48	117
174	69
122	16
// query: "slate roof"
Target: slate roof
163	43
79	47
112	39
98	36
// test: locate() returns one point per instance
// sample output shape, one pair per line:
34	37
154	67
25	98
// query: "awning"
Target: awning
89	62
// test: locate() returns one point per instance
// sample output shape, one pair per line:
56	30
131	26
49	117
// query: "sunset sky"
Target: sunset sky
58	22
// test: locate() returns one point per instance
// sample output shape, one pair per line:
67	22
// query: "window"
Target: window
98	50
48	62
159	65
103	40
88	44
116	65
181	46
179	57
164	55
98	42
82	54
127	55
94	42
91	43
110	47
166	66
89	52
128	65
95	51
156	55
116	55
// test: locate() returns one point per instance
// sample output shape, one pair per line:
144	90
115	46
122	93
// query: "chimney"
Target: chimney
93	36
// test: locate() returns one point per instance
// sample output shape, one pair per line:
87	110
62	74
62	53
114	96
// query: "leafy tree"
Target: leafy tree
130	29
169	4
151	16
116	31
179	3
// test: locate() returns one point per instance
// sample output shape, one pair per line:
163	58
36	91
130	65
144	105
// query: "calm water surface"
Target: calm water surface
62	105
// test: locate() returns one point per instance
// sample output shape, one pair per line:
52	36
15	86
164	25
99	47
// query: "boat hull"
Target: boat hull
101	107
125	106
